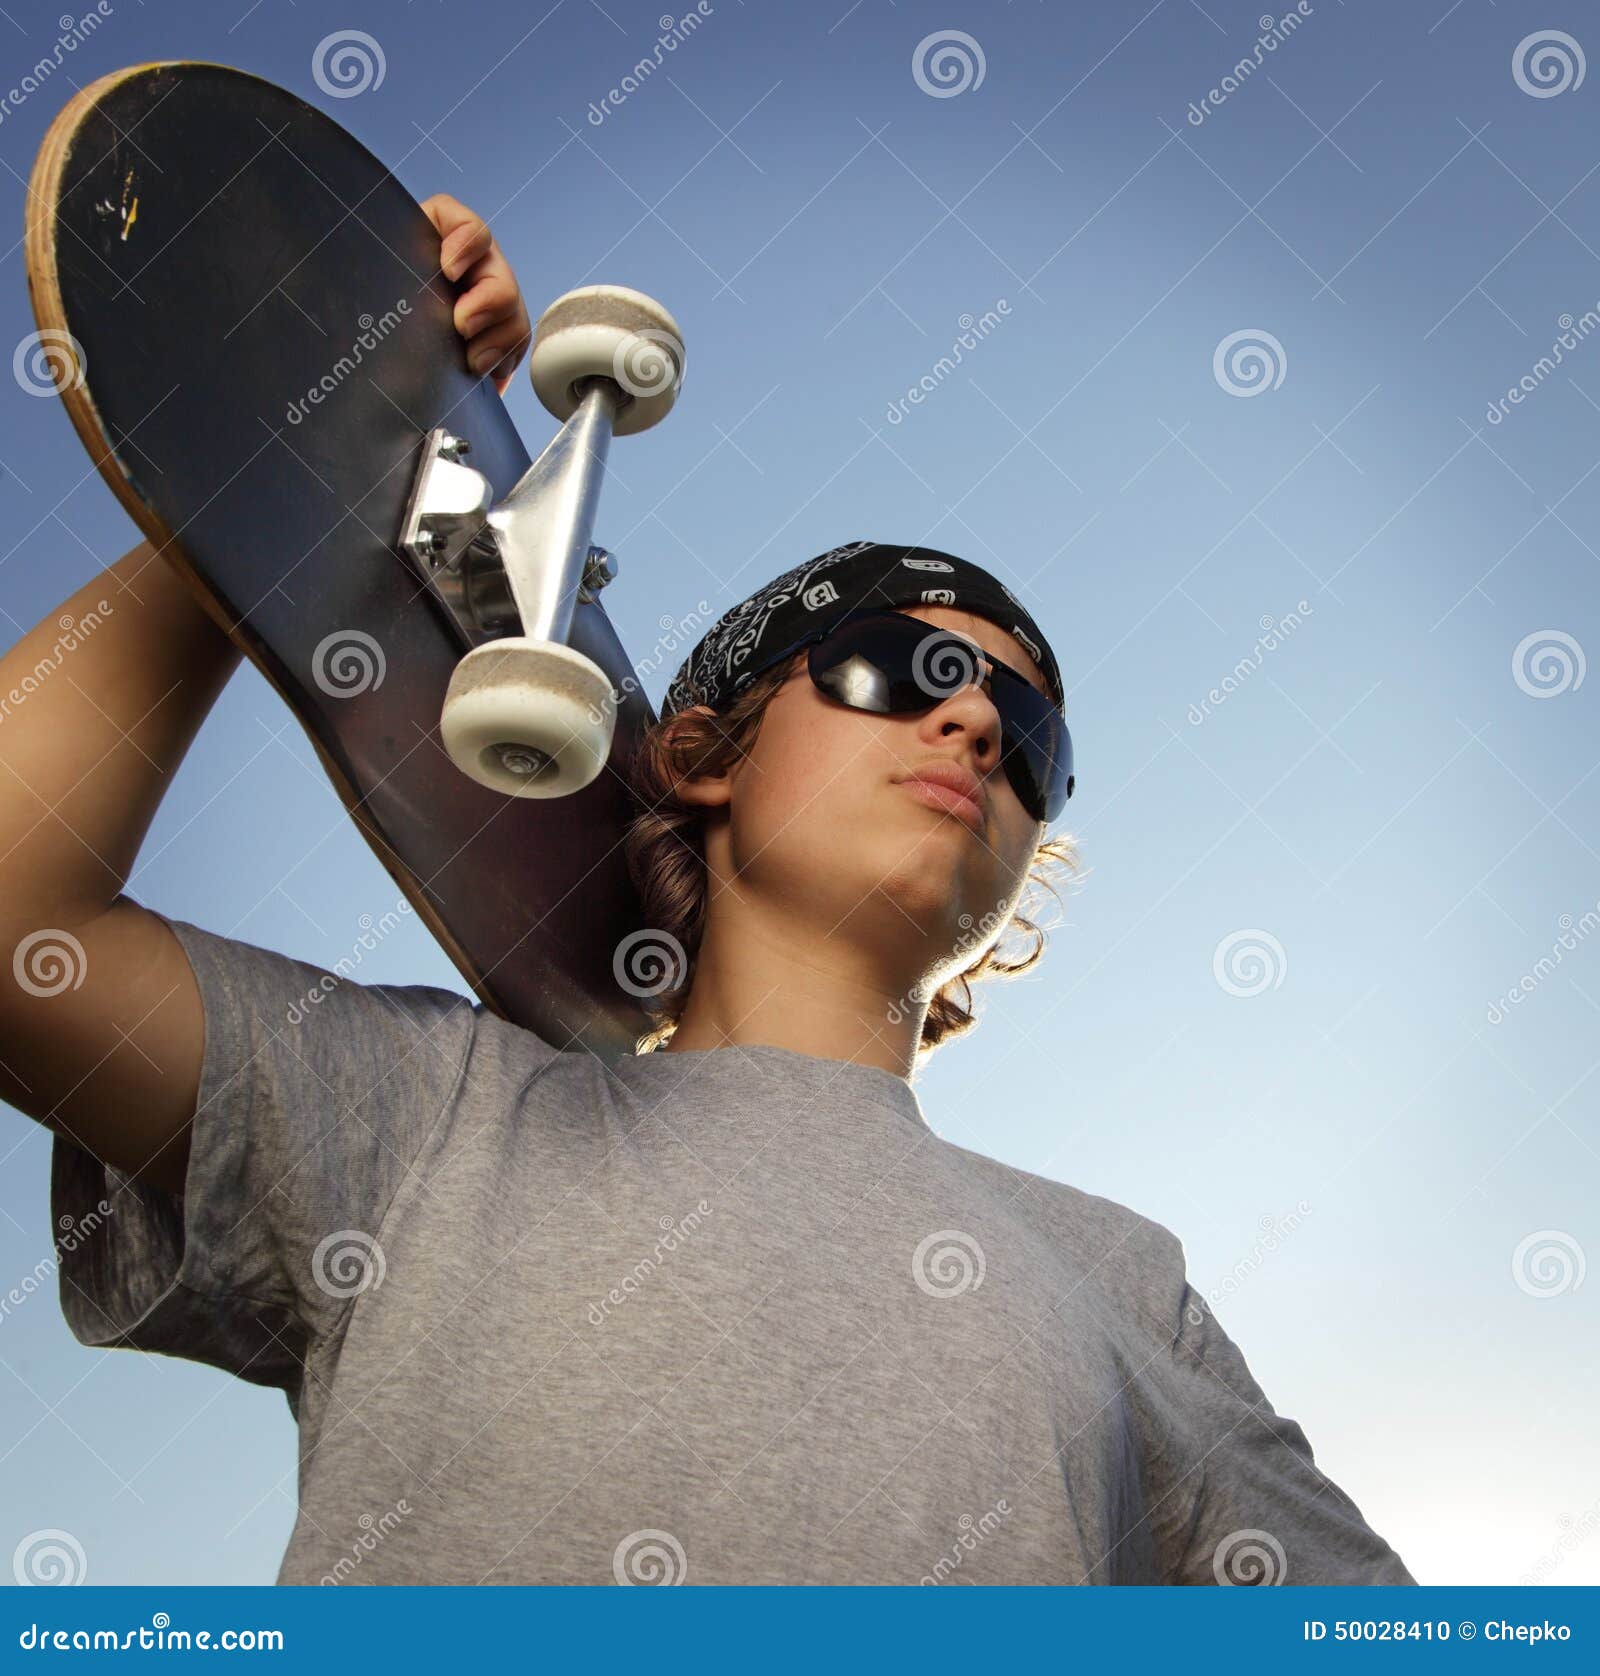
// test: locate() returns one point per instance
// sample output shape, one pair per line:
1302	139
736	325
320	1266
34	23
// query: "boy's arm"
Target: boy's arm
101	1022
101	1028
1239	1496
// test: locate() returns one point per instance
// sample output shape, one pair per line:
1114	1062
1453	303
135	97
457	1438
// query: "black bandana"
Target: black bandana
754	635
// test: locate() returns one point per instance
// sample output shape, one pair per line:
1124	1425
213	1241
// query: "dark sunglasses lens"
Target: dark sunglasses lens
896	665
874	663
1036	749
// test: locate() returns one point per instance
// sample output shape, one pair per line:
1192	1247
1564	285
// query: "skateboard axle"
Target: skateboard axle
526	713
519	566
525	760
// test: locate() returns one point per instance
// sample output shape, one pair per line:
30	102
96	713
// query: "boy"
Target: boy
726	1311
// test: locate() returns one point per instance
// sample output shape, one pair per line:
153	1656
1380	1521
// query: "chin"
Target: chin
927	883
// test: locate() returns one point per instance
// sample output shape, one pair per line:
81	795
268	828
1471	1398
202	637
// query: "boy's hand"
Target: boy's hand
489	311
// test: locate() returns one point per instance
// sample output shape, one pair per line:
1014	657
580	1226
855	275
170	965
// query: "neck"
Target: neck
761	981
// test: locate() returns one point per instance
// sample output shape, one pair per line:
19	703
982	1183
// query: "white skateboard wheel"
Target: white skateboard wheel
610	332
528	718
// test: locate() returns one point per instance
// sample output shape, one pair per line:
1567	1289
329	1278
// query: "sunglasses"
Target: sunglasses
893	665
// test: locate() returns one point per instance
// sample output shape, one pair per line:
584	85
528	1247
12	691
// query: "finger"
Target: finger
464	236
442	210
492	296
464	247
505	370
447	213
499	350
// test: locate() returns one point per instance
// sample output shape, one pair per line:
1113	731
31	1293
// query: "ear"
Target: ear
708	790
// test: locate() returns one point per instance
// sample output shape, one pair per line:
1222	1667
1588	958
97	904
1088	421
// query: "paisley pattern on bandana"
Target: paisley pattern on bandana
754	634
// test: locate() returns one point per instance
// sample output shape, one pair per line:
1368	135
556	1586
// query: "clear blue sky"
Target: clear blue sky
1380	796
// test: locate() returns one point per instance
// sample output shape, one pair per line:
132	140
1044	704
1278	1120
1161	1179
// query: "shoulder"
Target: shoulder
510	1070
1133	1258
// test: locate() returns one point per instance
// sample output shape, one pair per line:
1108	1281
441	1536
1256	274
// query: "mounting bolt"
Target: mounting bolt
598	569
454	447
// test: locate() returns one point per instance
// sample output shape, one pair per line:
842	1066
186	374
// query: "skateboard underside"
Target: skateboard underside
265	342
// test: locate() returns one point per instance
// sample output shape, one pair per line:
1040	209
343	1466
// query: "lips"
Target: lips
949	787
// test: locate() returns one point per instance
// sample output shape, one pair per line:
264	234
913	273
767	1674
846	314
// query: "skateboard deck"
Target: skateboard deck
263	342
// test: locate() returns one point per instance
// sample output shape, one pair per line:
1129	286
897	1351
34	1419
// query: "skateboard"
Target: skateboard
245	318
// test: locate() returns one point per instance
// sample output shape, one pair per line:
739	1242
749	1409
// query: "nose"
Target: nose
968	711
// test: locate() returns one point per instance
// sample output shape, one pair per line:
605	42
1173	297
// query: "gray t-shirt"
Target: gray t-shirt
732	1316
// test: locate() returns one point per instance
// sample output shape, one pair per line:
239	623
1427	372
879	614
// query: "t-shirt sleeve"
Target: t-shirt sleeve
1237	1496
317	1096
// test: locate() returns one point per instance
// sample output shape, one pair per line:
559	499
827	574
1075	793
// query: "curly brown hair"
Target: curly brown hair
665	855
